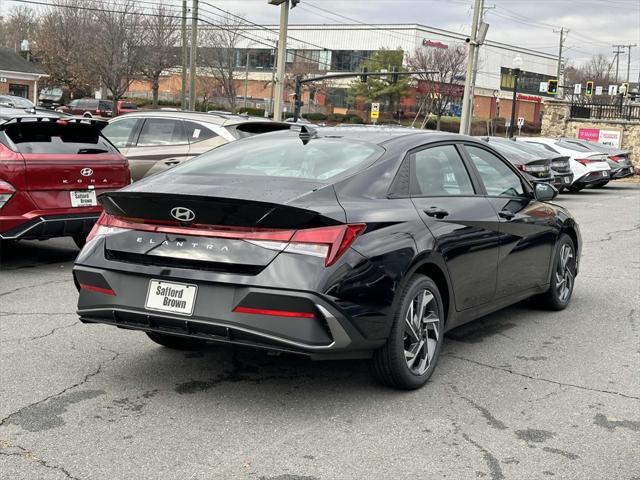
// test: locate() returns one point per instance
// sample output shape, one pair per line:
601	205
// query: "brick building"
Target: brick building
19	76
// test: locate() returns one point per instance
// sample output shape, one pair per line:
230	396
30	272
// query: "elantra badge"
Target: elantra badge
182	214
86	172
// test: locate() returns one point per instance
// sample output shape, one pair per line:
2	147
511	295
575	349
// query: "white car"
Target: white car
590	169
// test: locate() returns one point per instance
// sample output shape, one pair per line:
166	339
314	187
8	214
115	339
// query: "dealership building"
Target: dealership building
334	48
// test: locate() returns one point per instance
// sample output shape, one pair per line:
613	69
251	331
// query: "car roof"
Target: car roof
217	118
387	134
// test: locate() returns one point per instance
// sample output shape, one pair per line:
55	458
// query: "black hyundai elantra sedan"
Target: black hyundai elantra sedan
336	243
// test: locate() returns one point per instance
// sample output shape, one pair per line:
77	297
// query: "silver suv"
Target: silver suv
156	140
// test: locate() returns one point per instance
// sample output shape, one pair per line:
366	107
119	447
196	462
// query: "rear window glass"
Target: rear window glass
278	156
249	129
129	106
50	137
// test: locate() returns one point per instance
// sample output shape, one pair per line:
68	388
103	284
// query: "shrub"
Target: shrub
315	116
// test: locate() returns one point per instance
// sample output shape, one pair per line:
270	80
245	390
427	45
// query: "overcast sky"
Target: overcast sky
594	25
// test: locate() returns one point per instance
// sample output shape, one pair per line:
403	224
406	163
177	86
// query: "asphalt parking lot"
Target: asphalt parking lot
521	394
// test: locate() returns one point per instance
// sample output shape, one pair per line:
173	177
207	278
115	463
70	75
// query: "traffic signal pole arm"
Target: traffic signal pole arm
300	81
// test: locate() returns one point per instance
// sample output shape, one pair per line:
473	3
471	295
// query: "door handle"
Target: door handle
436	212
506	214
171	162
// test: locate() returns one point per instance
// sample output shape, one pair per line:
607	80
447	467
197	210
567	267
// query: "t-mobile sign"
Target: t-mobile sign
612	138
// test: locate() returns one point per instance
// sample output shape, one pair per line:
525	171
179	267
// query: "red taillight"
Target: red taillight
274	313
616	158
93	288
326	242
584	161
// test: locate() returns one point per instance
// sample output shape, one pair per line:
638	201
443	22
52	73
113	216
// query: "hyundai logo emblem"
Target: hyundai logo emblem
182	214
86	172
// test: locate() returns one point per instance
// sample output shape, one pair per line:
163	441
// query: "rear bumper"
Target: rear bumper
40	226
330	334
562	180
592	178
623	173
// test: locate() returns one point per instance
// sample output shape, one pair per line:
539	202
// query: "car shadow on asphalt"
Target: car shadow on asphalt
34	253
220	369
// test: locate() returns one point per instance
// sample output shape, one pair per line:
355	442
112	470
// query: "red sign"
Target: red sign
448	89
529	98
591	134
434	44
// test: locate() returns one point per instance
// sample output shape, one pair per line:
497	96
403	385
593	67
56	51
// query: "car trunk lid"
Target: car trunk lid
65	155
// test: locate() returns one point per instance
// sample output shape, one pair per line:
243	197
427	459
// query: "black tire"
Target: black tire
600	185
80	239
554	299
390	364
176	342
575	189
87	115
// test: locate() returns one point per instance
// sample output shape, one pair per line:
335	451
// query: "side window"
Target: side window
119	132
85	104
106	105
197	132
440	171
499	180
74	104
162	132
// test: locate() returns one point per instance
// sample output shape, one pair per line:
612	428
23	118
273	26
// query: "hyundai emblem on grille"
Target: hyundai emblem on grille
182	214
86	172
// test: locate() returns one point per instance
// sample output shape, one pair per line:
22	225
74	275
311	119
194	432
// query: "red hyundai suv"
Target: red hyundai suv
51	171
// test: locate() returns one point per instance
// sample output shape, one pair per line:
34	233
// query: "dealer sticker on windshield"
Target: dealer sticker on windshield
171	297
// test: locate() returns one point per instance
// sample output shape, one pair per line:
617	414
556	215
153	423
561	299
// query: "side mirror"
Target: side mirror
544	192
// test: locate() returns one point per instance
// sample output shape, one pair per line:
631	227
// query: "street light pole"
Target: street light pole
246	78
282	59
194	56
183	92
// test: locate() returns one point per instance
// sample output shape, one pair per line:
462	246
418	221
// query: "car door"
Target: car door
202	137
122	133
161	144
528	230
463	222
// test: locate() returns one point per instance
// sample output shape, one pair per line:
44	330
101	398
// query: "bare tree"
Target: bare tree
118	55
219	56
63	55
596	69
439	89
162	35
18	26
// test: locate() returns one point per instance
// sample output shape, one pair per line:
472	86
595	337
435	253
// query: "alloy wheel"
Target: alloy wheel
564	273
421	332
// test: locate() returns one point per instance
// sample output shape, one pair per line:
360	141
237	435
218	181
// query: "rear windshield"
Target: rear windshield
129	106
278	156
249	129
53	137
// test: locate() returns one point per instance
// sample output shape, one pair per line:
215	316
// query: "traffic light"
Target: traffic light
552	86
363	78
589	90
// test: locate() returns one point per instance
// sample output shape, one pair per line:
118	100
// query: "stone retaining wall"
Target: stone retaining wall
556	122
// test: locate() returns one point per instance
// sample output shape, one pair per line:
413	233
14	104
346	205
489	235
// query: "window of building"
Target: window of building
19	90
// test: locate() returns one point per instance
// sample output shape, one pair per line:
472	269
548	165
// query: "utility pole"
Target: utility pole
281	61
618	51
482	34
246	78
629	47
562	33
464	121
183	93
194	56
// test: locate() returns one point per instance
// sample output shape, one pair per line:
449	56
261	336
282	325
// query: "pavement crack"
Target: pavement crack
540	379
38	337
29	455
86	378
491	420
609	235
34	286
